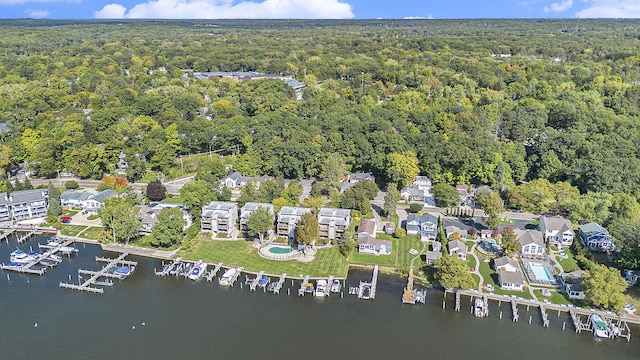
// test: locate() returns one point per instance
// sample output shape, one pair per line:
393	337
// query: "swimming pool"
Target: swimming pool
279	250
540	271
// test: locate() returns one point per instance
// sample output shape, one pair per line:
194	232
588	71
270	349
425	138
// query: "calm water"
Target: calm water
187	320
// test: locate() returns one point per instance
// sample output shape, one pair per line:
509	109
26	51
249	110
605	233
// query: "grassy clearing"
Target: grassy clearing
172	200
471	262
632	296
569	264
241	253
148	177
399	257
555	298
71	230
94	233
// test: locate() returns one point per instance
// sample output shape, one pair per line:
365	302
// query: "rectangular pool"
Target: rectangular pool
540	272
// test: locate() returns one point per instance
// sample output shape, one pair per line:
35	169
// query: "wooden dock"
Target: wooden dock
95	275
575	313
362	294
253	285
5	235
212	274
280	283
27	236
409	295
303	286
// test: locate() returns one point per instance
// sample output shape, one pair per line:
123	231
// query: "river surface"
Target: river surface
201	320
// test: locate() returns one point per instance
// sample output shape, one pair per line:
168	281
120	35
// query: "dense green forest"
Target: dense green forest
544	111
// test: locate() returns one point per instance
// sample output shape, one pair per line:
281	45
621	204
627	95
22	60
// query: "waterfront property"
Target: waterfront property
74	199
288	218
94	203
531	242
557	230
367	228
426	226
5	209
431	256
219	217
457	248
596	237
505	263
510	280
26	204
149	216
248	209
372	245
333	222
571	284
538	272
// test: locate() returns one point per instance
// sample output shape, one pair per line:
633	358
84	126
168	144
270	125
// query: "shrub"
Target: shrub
400	233
415	208
71	184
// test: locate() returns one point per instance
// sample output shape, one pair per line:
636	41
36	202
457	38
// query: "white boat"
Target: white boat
225	280
21	257
197	271
478	308
335	287
121	272
600	328
321	288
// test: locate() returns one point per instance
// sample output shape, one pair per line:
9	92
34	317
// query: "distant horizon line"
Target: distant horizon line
316	19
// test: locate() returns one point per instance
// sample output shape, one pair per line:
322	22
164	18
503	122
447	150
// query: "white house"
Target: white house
5	208
509	280
74	199
235	180
557	230
426	226
457	248
505	263
572	284
419	190
248	209
531	242
149	216
372	245
28	203
288	218
94	203
219	217
450	230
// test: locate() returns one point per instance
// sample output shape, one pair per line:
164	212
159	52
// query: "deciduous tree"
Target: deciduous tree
307	230
604	287
169	228
453	273
260	222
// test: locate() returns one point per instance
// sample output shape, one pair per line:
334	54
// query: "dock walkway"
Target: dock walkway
254	282
27	236
280	283
303	285
28	268
104	272
5	235
212	274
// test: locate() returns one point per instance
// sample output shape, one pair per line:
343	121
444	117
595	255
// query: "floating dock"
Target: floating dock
280	283
409	295
253	285
106	272
235	276
367	290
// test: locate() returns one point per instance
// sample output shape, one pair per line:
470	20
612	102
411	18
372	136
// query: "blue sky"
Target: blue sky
359	9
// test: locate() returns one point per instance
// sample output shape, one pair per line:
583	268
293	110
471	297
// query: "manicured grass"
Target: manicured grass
94	233
71	230
385	260
93	217
68	213
555	298
399	256
241	253
471	262
148	177
569	264
632	296
491	278
172	200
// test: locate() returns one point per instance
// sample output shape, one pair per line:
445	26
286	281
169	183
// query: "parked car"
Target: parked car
65	219
629	308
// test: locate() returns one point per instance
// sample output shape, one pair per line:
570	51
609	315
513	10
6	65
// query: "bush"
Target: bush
71	184
400	233
415	208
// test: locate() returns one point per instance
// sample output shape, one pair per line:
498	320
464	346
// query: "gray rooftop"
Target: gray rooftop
250	207
555	223
4	199
432	255
511	277
27	196
526	237
291	214
593	228
505	260
457	245
71	194
341	217
104	195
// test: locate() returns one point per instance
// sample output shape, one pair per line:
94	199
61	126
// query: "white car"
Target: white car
629	308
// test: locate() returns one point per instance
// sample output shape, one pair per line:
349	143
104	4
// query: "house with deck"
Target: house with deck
571	283
372	245
219	217
288	218
95	202
426	226
29	203
557	230
333	222
509	280
248	209
596	237
457	248
531	242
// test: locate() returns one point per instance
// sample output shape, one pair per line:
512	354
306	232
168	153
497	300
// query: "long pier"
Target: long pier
253	285
212	274
575	313
104	272
409	296
5	235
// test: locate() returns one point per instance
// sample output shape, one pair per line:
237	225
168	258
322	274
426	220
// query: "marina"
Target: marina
117	268
32	263
28	235
5	235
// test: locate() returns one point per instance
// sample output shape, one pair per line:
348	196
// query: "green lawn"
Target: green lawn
148	177
71	230
399	257
556	297
68	213
569	264
632	296
491	278
93	217
471	262
172	200
241	253
93	233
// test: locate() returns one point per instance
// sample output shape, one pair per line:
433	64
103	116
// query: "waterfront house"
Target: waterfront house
557	230
450	230
428	227
74	199
149	216
531	242
596	237
5	209
372	245
436	246
509	280
248	209
28	203
632	276
367	228
431	256
457	248
95	202
333	222
505	263
412	224
219	217
235	180
288	218
571	283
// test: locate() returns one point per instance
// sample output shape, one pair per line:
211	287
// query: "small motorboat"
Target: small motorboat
264	280
478	308
335	286
600	328
121	272
321	288
21	257
225	280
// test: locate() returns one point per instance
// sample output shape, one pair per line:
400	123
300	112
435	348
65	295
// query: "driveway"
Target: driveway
81	219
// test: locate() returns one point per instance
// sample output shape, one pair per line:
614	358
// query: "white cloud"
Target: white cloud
418	17
611	9
37	13
226	9
564	5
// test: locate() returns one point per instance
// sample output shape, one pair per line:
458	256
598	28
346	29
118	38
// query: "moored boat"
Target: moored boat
225	280
478	308
21	257
197	270
264	280
321	288
600	328
335	286
121	272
